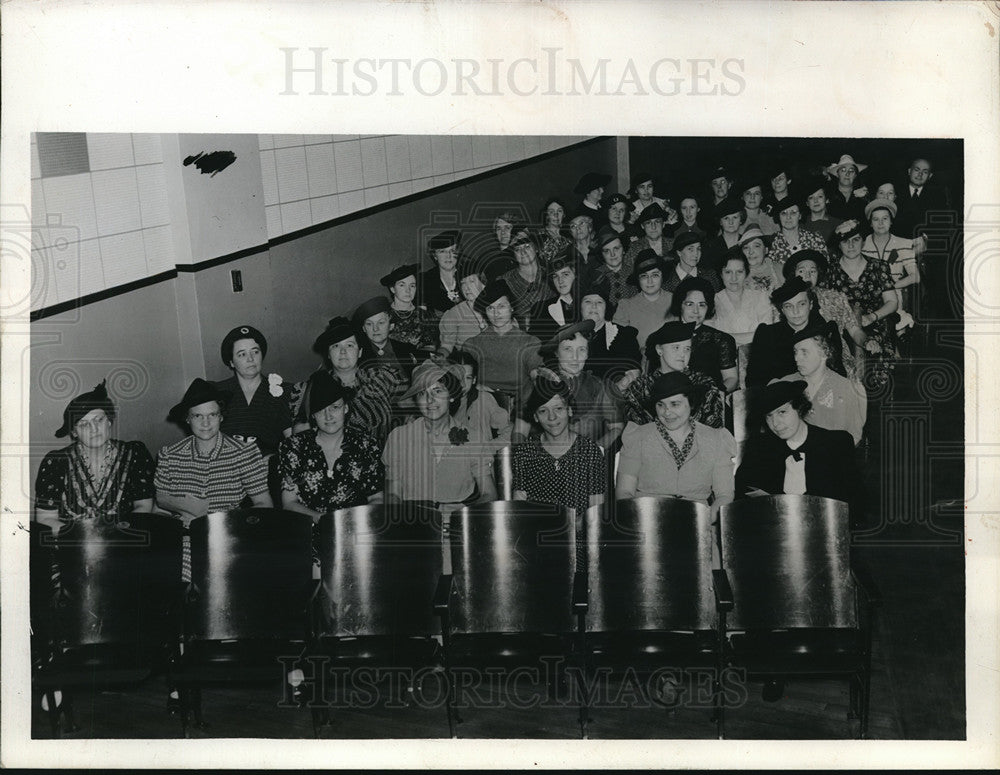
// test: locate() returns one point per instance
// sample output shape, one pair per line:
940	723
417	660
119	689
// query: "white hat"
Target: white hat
845	159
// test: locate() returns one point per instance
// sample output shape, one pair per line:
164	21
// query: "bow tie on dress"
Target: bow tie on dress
794	454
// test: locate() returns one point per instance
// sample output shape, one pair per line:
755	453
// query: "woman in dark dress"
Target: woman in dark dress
439	285
614	354
95	477
713	352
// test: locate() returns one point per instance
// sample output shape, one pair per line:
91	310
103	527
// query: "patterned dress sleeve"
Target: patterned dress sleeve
727	350
595	478
290	462
252	470
371	477
51	480
139	481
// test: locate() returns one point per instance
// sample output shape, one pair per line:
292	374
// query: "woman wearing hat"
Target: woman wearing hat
462	322
208	470
838	404
794	457
618	209
407	322
376	386
258	408
435	458
506	354
791	239
739	309
675	455
869	286
478	408
591	188
651	221
330	466
764	275
816	216
713	352
642	190
96	476
752	196
558	465
616	267
689	211
565	354
688	248
439	285
898	253
668	351
646	311
613	354
584	251
373	318
552	238
527	282
810	266
547	316
847	200
729	217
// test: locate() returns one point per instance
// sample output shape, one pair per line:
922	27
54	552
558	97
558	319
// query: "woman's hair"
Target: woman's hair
827	348
802	404
462	357
736	256
545	207
543	391
685	287
359	338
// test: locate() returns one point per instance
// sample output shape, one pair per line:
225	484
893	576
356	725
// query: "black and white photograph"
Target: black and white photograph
634	434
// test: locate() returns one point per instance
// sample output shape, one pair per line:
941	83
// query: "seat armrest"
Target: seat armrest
442	594
581	601
866	584
723	590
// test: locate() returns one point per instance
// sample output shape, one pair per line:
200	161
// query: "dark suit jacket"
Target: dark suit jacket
831	469
399	355
912	213
433	294
611	363
771	354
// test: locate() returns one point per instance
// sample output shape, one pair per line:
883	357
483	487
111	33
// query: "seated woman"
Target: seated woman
527	282
674	455
95	477
583	250
258	408
439	290
462	322
688	250
764	274
794	457
713	352
596	416
728	217
791	238
739	309
495	257
557	465
618	207
752	193
646	311
816	218
208	471
330	466
689	210
900	254
668	350
547	316
434	458
869	286
506	355
838	404
478	408
376	387
407	322
373	319
552	238
613	354
810	266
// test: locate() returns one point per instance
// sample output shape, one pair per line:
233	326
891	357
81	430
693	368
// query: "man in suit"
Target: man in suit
916	197
794	457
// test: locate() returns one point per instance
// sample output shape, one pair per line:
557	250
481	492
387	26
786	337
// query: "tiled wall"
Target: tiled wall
309	179
102	228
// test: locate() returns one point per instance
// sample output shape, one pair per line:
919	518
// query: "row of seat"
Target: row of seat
767	592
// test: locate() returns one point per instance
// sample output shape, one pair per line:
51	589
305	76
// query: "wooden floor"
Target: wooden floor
914	550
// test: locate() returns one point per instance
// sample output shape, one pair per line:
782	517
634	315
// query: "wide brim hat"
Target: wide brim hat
649	213
845	159
444	239
337	330
426	374
778	393
584	327
792	264
750	235
590	181
374	306
670	332
686	238
83	404
880	204
494	290
241	332
671	384
646	260
324	390
791	288
199	392
824	328
400	273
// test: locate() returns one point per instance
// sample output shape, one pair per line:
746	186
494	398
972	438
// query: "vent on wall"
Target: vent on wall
62	153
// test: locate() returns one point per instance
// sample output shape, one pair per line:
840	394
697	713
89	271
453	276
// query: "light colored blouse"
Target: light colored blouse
741	321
